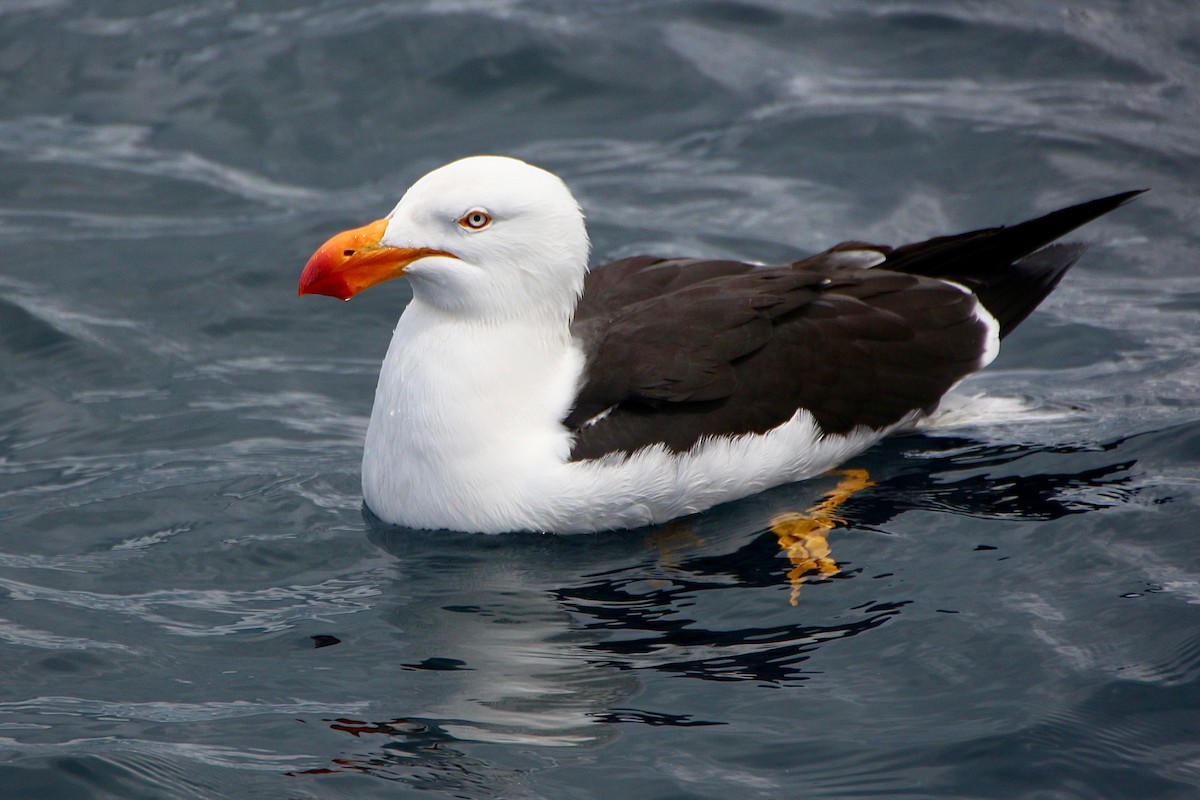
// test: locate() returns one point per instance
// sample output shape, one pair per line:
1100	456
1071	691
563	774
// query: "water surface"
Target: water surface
194	604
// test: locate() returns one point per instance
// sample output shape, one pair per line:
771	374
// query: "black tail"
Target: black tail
1010	269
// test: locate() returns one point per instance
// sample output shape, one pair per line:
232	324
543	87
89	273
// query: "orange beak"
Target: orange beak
354	260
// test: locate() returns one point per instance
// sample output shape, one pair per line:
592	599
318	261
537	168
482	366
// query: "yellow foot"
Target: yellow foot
802	536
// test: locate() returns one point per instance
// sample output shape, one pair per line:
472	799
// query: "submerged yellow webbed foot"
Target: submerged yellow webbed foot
802	535
671	539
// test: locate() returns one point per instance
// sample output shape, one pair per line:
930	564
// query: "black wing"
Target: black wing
681	349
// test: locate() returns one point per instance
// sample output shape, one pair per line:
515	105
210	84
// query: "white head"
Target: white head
486	236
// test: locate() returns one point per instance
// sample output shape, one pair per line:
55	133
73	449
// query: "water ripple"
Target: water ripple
168	712
20	635
267	610
123	148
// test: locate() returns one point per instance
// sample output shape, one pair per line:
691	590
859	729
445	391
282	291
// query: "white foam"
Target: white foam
959	410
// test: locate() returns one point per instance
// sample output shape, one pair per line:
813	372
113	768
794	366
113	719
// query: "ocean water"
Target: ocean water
194	604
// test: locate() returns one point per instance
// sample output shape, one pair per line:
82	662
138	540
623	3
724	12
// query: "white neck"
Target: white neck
467	417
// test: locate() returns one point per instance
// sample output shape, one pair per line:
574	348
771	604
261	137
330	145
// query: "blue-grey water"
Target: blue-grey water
193	603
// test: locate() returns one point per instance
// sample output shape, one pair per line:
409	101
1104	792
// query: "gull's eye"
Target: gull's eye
475	220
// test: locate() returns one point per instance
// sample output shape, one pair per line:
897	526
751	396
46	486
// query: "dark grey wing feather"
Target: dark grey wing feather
679	344
680	349
742	349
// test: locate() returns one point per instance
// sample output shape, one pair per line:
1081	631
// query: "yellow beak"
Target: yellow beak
354	260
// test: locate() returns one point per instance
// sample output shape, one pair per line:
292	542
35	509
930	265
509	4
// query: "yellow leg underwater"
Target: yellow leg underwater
802	535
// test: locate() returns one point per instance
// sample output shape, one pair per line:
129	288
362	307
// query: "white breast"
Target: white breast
466	420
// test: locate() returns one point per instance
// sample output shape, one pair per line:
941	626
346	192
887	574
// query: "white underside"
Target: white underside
465	435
